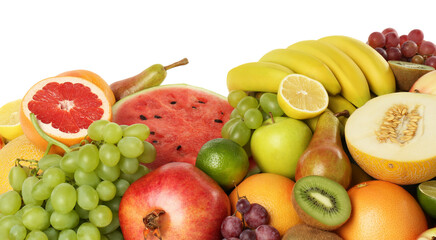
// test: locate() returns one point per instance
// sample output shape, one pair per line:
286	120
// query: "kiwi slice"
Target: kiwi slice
306	232
321	202
406	73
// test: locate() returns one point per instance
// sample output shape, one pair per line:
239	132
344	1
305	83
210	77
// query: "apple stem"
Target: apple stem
416	90
272	117
344	113
176	64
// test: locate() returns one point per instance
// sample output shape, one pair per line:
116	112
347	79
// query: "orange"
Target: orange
94	78
20	147
64	108
383	210
273	192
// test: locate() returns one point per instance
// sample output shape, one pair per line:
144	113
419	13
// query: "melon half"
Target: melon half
393	137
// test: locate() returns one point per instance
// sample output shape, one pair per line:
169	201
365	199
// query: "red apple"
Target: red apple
175	201
425	84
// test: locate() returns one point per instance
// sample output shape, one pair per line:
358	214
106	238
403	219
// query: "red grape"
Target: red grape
431	61
267	232
247	234
418	59
256	216
392	40
409	49
426	48
416	35
382	52
231	227
403	38
388	30
394	53
376	39
243	205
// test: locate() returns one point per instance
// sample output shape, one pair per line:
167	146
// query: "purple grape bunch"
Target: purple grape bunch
252	226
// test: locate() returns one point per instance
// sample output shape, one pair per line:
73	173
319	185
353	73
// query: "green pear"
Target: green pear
278	144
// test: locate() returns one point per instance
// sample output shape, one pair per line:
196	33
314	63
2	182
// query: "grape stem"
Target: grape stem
51	141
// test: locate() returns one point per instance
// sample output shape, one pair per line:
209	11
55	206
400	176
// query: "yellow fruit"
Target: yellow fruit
392	137
257	77
21	148
273	192
338	104
10	127
301	97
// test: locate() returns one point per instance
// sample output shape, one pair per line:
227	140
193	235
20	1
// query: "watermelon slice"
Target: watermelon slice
181	119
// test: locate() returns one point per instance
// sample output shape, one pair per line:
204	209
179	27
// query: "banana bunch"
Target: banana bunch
345	66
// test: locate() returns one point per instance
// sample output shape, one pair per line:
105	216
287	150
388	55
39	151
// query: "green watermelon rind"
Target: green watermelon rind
121	101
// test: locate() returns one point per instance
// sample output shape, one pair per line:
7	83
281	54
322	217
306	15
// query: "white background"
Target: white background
118	39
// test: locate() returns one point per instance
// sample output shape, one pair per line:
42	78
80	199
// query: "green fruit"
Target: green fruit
427	197
278	144
321	202
303	231
223	160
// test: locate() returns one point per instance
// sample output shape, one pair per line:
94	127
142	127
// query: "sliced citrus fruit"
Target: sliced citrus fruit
94	78
301	97
9	120
64	107
427	197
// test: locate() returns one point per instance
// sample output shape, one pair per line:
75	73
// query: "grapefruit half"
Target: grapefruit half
64	108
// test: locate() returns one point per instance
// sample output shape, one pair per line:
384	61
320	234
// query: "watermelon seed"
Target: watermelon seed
201	102
194	107
154	141
142	117
173	102
157	116
218	121
222	113
152	133
178	147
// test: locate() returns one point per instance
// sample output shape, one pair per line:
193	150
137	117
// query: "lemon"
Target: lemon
10	127
301	97
223	160
427	197
20	147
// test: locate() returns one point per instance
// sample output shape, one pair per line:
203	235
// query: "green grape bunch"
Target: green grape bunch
76	195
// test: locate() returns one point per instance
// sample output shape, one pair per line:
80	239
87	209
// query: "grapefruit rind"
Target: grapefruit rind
410	163
67	138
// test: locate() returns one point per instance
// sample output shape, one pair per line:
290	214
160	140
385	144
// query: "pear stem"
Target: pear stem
176	64
344	113
272	117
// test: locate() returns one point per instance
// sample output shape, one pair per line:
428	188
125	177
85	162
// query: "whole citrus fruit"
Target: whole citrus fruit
223	160
9	120
383	210
64	108
273	192
21	148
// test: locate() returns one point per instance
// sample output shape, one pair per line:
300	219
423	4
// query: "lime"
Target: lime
223	160
427	197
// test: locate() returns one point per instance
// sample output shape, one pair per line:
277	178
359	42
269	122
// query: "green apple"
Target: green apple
428	234
278	144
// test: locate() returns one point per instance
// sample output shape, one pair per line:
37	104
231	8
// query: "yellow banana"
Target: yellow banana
353	83
338	104
306	64
379	75
257	77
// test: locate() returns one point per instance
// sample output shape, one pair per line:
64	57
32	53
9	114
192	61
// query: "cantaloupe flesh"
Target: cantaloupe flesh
411	163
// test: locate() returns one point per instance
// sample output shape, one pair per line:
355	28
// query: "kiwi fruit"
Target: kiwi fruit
406	73
306	232
321	202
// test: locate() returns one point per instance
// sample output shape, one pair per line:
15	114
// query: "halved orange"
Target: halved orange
64	108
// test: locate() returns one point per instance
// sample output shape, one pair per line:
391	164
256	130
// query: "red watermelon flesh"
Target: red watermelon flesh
181	119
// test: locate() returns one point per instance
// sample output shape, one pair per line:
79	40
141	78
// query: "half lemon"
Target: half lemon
301	97
10	127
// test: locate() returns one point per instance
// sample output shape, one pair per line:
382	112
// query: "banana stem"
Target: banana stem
176	64
46	137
